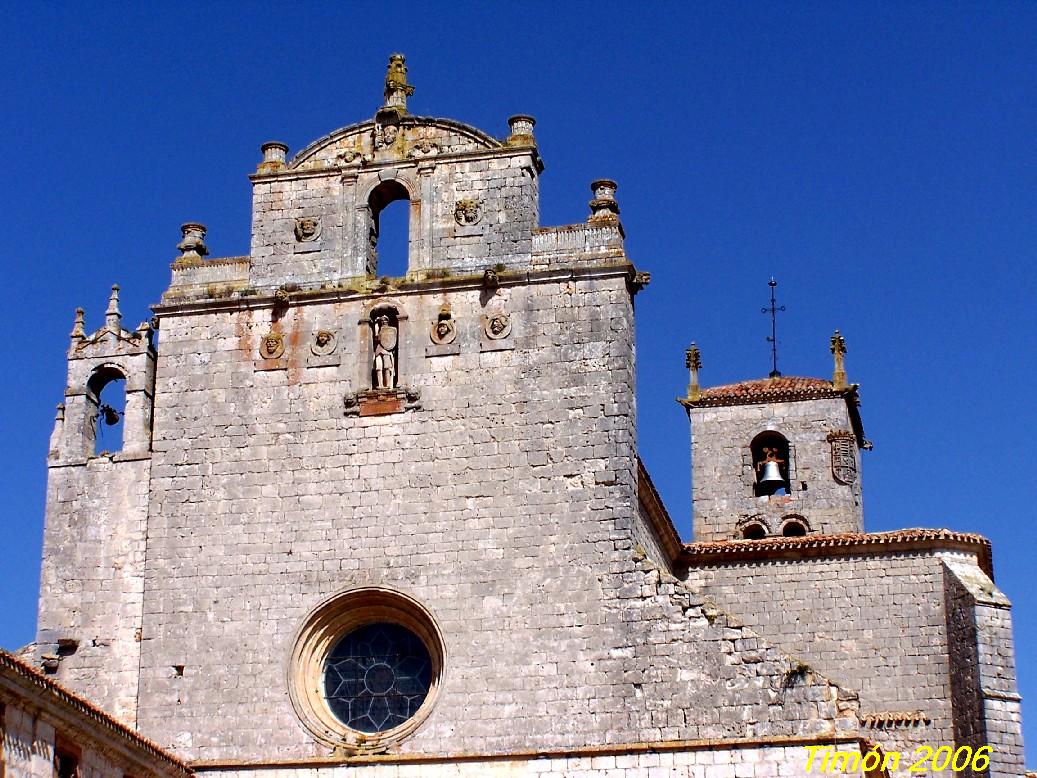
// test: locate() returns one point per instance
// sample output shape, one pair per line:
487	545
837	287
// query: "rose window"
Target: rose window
377	676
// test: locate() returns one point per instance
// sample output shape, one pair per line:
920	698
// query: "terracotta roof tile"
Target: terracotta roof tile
46	685
769	390
840	544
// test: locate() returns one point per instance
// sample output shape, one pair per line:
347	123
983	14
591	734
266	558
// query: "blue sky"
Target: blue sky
876	158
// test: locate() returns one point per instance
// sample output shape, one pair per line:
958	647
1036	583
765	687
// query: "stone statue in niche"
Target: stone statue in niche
444	330
386	338
307	228
497	326
272	345
467	212
323	343
385	135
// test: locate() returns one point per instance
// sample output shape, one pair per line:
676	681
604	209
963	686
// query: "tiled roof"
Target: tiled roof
45	685
769	390
724	551
780	389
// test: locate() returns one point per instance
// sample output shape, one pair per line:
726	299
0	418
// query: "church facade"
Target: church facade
396	526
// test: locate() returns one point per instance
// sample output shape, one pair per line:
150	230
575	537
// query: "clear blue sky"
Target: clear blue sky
877	158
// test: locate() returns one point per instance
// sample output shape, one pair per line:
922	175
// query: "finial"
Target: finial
521	129
397	90
773	339
192	246
838	349
693	361
604	208
275	155
112	315
78	329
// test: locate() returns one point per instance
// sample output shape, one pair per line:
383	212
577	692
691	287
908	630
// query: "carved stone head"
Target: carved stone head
323	343
497	326
307	228
272	345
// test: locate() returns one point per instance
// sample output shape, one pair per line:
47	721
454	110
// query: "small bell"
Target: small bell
111	416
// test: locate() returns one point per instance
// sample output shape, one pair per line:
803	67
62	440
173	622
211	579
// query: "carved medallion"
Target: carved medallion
497	326
844	457
323	343
423	148
272	345
443	329
467	212
307	228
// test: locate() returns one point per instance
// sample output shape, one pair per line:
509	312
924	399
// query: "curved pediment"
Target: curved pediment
409	137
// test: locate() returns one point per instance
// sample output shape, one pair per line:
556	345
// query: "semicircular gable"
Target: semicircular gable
423	136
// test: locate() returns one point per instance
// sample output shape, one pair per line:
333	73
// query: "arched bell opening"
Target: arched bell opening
388	230
106	410
770	456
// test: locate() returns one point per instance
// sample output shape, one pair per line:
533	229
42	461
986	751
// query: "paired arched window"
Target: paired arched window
794	527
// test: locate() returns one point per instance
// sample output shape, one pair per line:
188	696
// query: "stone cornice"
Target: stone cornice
370	290
653	506
47	696
925	541
612	749
289	174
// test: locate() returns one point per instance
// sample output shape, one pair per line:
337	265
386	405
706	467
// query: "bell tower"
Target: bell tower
776	456
92	577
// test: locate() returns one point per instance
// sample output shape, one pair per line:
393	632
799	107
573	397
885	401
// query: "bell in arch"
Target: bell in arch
769	476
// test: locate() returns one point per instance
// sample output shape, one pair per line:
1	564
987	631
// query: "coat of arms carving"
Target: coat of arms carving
844	457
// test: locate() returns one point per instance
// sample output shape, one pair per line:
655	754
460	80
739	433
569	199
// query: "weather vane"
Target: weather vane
773	339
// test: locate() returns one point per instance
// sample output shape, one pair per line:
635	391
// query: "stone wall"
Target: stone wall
874	624
506	504
92	578
495	505
439	165
723	478
982	662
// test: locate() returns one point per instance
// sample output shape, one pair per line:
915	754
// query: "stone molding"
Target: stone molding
321	629
865	543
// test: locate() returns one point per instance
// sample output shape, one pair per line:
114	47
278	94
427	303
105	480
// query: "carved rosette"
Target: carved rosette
844	456
423	148
468	212
271	346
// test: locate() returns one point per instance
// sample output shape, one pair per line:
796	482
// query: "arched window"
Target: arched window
754	531
770	455
389	230
106	395
794	527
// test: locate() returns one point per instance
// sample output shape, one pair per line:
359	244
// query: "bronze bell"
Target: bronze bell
111	416
771	475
